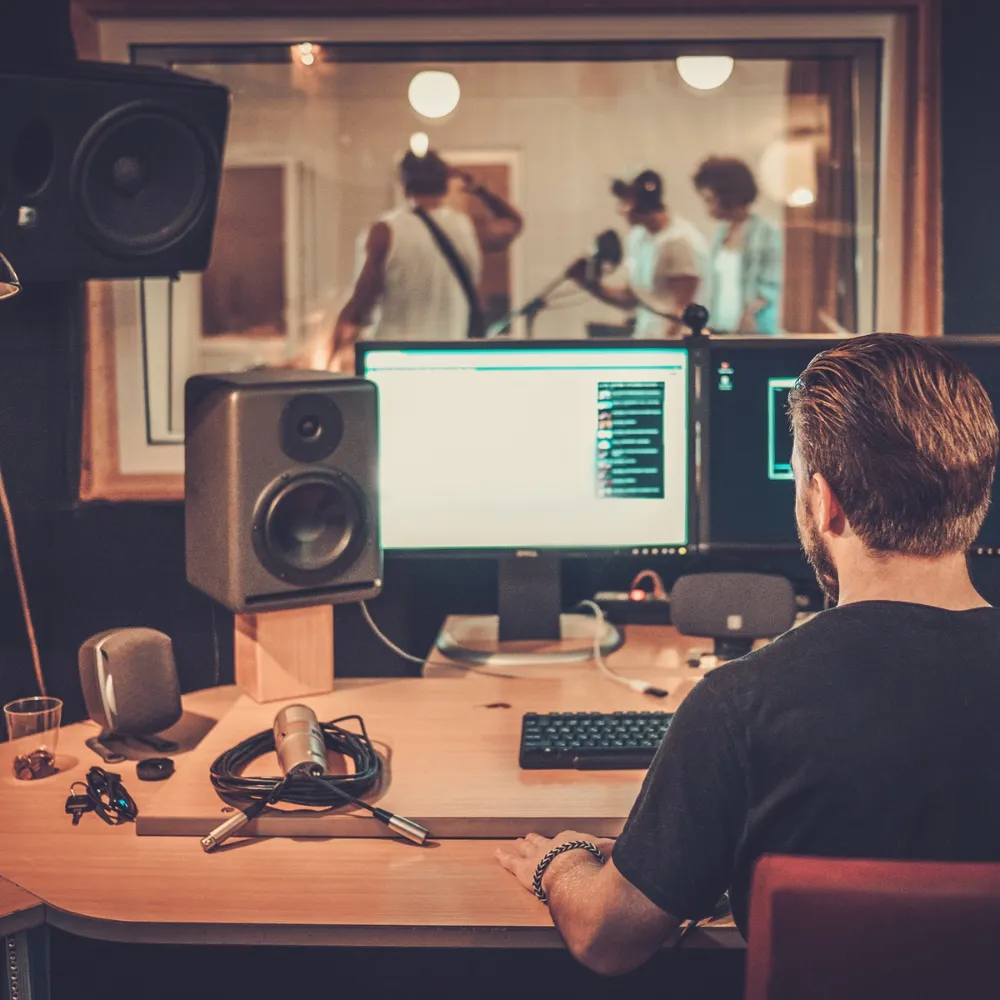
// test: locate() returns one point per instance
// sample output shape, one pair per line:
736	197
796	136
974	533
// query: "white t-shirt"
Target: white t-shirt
726	309
652	259
422	299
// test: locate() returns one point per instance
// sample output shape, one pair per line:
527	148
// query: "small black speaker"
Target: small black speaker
109	171
281	488
732	608
129	681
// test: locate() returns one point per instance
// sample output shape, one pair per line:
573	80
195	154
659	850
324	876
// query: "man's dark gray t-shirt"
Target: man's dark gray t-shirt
871	731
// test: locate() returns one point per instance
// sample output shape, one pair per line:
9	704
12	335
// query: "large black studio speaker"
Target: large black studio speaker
109	171
281	488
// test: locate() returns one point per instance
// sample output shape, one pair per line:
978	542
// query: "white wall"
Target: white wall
576	126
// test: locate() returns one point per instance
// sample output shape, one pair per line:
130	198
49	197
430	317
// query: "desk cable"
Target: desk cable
643	687
419	660
302	788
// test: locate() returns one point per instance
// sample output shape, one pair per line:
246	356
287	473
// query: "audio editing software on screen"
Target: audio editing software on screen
563	447
630	448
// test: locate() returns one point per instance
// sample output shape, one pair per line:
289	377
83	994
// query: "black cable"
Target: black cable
251	796
300	788
108	797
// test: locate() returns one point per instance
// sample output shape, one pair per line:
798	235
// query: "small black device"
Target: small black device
104	794
591	741
732	608
154	769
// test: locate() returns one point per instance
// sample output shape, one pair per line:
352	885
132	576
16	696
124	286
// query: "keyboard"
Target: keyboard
591	741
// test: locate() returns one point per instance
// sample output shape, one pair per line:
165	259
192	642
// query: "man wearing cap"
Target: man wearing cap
666	260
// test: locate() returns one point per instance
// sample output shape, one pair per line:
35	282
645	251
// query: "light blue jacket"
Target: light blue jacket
763	268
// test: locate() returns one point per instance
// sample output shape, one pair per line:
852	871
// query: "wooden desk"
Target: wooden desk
107	882
19	910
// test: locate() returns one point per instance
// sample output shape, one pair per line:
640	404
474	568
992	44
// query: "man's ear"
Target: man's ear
828	511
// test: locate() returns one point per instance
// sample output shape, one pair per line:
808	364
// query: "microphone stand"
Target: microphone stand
529	310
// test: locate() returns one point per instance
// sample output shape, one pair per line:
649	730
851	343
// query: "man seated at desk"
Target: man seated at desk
868	732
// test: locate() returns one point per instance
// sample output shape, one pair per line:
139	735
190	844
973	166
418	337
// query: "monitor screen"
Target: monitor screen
982	355
751	493
542	445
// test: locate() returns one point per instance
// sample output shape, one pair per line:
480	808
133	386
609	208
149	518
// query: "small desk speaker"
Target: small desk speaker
129	680
732	608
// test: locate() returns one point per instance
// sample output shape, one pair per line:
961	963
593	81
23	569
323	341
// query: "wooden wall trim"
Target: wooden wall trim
101	477
462	8
923	273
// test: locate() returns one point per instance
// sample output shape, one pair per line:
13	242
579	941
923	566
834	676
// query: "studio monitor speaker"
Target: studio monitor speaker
281	494
109	171
732	608
129	681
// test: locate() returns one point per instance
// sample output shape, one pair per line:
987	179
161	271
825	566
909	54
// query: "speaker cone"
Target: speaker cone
142	180
309	527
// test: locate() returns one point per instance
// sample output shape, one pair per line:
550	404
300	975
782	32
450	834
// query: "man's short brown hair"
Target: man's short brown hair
905	435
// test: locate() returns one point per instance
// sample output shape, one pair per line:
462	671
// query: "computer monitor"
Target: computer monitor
982	355
534	449
750	497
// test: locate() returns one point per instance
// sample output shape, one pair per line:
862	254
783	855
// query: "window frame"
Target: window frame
116	465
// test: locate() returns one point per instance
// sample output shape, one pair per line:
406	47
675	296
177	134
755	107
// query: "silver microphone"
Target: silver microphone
298	741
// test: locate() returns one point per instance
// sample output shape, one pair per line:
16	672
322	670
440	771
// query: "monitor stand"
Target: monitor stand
530	627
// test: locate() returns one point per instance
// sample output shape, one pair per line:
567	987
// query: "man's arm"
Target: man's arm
503	223
607	924
621	296
356	314
675	856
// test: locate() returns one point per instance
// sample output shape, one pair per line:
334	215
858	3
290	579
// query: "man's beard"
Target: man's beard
817	553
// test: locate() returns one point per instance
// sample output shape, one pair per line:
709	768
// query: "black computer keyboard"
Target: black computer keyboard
594	741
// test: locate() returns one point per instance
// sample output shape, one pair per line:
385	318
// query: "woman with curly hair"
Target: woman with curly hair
746	255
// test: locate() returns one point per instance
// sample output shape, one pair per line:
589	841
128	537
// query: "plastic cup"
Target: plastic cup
33	728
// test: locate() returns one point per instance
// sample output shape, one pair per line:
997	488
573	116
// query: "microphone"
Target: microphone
298	741
607	250
300	744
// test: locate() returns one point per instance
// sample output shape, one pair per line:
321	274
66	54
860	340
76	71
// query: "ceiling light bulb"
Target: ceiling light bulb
434	94
419	143
705	72
801	197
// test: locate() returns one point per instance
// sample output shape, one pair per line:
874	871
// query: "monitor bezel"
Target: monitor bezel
652	549
820	342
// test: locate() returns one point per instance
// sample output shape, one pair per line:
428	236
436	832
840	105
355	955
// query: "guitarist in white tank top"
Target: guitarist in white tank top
406	288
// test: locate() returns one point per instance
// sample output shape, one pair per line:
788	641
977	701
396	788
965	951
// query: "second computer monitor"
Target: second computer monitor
750	500
501	446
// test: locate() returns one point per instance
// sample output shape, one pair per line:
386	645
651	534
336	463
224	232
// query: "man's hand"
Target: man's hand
522	856
748	322
607	924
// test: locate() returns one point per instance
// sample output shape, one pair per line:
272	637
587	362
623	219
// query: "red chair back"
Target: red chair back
836	929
